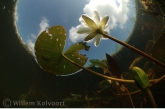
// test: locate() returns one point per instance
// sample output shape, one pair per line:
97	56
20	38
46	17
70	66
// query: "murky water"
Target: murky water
30	80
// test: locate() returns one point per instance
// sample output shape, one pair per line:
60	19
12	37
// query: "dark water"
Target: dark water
23	81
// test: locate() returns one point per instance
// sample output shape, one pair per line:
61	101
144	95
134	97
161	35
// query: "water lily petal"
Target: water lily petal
97	40
90	36
84	30
104	21
89	22
105	27
83	22
96	17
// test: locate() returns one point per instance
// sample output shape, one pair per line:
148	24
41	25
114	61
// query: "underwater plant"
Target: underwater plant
50	56
142	82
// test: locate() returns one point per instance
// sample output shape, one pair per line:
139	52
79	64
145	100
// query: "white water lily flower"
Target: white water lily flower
93	27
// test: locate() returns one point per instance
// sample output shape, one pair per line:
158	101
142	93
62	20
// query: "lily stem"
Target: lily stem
101	75
151	97
98	74
134	49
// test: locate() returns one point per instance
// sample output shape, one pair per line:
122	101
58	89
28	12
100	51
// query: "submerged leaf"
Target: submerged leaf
136	62
113	66
158	50
105	83
49	50
156	33
147	66
149	47
115	69
99	63
150	12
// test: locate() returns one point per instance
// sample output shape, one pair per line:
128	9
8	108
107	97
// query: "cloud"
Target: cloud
30	44
33	36
73	35
117	10
42	26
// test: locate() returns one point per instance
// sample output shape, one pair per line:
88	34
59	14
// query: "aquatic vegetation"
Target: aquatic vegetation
34	93
113	69
142	82
100	64
49	52
154	13
93	27
50	56
158	50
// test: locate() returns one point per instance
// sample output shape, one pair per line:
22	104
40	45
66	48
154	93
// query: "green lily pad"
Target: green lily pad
49	52
158	50
73	54
140	78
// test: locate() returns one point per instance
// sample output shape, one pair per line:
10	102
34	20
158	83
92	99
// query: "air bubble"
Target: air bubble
50	35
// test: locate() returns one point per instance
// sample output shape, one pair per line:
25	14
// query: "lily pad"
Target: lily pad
158	50
49	52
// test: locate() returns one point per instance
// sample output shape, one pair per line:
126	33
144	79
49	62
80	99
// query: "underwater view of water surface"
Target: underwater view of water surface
82	53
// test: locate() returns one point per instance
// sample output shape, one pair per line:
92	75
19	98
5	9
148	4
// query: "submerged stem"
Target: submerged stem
134	49
130	98
151	97
103	76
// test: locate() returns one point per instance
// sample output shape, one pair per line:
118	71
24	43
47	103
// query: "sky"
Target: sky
34	16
